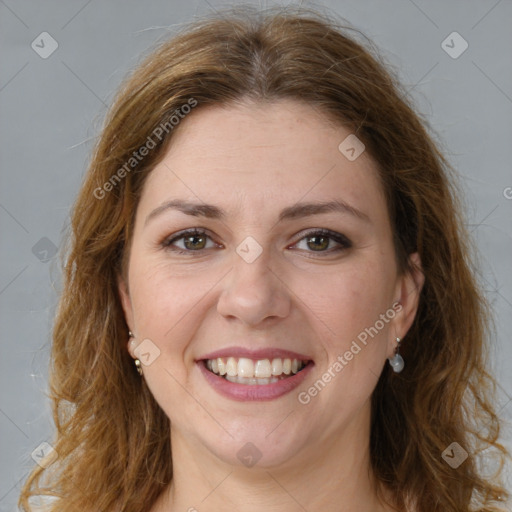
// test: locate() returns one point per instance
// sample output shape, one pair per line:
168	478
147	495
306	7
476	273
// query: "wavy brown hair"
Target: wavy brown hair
112	438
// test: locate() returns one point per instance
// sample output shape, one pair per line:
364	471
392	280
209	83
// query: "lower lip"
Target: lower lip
257	392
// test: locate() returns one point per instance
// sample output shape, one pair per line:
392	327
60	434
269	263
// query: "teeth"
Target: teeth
245	367
277	366
231	367
262	369
247	371
251	382
220	366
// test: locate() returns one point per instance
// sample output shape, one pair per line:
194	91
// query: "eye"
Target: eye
324	241
197	239
193	240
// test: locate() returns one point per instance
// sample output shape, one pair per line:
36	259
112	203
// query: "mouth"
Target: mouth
259	372
245	375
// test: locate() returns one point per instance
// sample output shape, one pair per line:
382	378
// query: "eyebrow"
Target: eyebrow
296	211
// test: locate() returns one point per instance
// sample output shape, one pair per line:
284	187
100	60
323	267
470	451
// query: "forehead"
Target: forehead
254	156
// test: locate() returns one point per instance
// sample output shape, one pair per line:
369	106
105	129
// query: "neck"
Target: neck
332	474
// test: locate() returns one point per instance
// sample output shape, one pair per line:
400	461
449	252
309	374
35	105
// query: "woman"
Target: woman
268	301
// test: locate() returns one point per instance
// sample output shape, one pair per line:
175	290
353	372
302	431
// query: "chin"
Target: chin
257	444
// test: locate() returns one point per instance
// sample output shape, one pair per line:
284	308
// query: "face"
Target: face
235	267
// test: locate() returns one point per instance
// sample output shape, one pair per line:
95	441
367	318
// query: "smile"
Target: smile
254	375
254	372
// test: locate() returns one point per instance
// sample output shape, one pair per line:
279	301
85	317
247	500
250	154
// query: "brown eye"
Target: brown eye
318	243
323	241
188	242
194	242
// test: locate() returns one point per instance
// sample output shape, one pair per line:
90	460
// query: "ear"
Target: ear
126	303
407	293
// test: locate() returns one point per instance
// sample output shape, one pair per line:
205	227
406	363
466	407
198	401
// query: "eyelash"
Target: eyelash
342	240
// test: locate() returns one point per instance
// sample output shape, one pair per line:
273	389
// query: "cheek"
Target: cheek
167	304
166	309
348	305
346	311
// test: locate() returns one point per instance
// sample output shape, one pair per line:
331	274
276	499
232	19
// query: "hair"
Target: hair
112	438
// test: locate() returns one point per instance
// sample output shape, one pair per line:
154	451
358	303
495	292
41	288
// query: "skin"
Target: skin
253	160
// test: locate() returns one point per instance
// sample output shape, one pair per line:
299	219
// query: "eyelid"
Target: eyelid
343	243
339	238
169	240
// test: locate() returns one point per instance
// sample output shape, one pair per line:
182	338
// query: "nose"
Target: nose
253	293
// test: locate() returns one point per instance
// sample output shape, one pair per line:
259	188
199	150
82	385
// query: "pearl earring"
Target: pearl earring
397	361
137	362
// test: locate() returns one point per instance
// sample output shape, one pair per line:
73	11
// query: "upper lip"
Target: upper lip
262	353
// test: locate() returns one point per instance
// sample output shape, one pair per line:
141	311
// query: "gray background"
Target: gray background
51	110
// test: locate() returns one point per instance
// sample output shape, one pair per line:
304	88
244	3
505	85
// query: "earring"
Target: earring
137	362
397	361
